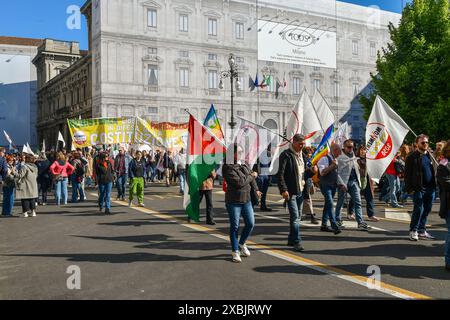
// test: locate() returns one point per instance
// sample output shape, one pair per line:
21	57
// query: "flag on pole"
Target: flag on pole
7	137
43	146
204	153
251	83
60	138
323	110
284	81
342	133
294	126
262	85
323	149
254	140
256	80
212	122
311	123
385	133
277	89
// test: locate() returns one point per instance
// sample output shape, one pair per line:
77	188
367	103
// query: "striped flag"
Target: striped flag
323	148
213	124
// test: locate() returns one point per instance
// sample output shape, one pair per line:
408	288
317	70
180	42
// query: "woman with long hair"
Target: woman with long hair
61	169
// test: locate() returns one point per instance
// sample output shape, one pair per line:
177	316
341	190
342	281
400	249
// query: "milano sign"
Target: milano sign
297	45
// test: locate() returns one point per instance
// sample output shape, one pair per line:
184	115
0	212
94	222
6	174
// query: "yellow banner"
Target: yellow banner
165	134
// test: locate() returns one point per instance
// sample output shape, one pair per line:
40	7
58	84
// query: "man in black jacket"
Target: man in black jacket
421	181
291	182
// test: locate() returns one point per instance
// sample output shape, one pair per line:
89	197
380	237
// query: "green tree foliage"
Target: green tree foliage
414	70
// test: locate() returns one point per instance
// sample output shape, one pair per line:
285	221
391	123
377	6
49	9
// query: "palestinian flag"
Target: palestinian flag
204	153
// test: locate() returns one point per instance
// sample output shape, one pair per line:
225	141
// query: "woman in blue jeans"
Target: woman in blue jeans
9	187
443	178
240	183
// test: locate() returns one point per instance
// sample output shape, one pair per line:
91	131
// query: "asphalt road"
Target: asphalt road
153	253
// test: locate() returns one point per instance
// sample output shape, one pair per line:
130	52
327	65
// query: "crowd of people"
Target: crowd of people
416	172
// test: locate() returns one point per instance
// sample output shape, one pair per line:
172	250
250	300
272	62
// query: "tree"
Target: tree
414	70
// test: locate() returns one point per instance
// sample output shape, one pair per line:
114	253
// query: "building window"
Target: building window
239	30
212	79
241	113
355	89
316	84
152	75
212	27
84	92
239	60
183	22
296	86
184	78
152	110
373	50
152	50
184	54
212	56
355	47
296	66
151	18
336	92
316	68
269	63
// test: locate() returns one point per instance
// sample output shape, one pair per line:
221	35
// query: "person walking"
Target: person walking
349	180
443	179
263	180
291	182
26	186
44	180
179	161
104	175
77	176
206	191
328	185
367	188
121	165
420	180
61	169
9	187
136	173
394	183
240	181
168	165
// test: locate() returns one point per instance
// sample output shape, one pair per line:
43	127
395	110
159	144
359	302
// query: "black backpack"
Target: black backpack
79	169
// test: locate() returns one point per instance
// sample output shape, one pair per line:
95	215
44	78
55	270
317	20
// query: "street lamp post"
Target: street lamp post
233	75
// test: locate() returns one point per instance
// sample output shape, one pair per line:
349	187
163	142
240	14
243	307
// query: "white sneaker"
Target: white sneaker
33	214
236	257
25	214
141	205
413	236
244	250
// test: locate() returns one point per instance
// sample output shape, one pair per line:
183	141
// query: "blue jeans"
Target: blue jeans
423	203
263	186
394	187
295	206
8	201
354	191
120	183
447	241
370	205
328	214
77	188
235	210
104	199
182	175
61	190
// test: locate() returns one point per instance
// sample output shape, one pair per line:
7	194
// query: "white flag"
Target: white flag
7	137
311	123
294	126
254	140
384	136
60	138
323	111
341	134
43	146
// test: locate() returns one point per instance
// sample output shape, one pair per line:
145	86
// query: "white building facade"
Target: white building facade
155	58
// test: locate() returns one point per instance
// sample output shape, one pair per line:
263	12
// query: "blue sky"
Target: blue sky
47	18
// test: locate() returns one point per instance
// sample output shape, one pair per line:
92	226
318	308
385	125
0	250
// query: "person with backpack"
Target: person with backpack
61	169
104	175
328	176
77	176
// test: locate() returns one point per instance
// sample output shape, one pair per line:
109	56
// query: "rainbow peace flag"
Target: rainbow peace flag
322	150
212	123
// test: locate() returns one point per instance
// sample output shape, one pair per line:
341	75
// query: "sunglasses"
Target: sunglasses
349	147
424	142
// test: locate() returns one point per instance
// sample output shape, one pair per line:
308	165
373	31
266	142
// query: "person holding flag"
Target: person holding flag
240	182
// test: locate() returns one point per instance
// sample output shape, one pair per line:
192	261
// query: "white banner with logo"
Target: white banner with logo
307	45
